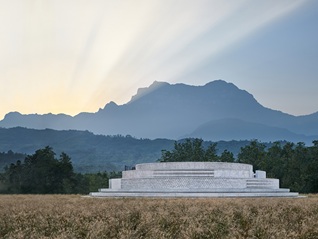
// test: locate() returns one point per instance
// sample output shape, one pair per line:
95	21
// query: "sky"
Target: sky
72	56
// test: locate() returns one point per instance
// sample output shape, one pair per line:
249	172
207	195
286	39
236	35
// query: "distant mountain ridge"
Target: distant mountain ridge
215	111
93	153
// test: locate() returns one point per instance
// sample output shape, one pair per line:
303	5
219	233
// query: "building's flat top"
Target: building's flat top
194	166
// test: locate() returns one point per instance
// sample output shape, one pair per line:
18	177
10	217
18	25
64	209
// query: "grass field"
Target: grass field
73	216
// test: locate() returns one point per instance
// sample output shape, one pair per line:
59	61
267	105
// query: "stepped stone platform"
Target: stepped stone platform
194	179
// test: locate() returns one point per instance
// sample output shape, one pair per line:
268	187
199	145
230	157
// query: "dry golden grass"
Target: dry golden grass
73	216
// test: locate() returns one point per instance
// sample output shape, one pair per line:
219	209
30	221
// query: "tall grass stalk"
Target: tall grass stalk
73	216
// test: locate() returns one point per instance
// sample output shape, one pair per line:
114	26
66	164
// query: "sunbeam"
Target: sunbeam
62	56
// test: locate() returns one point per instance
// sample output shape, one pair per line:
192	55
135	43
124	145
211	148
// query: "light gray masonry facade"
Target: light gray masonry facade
194	179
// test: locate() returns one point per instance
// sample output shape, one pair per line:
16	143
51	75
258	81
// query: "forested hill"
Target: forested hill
93	153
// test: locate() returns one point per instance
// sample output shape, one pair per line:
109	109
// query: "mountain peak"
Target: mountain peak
156	84
215	90
111	104
12	114
141	92
220	83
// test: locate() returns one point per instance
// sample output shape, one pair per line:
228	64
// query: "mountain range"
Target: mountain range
216	111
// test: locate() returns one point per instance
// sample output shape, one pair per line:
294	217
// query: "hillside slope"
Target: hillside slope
93	153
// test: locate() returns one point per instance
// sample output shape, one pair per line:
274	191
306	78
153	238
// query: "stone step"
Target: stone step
215	190
260	183
187	173
193	194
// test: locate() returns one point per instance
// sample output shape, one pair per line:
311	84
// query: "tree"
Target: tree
97	180
253	153
41	173
273	161
210	153
312	168
227	156
190	151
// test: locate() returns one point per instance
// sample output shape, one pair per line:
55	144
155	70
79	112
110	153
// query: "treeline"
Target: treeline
194	150
44	173
295	165
9	157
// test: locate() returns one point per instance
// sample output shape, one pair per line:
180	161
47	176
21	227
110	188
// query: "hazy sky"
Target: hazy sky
69	56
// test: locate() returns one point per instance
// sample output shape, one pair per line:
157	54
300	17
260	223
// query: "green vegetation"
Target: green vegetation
193	150
43	173
295	165
9	157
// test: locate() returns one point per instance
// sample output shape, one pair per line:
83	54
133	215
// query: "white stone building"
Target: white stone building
194	179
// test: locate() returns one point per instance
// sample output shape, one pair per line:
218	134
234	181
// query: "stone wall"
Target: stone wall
188	183
190	169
